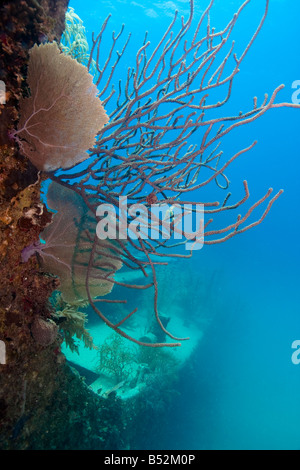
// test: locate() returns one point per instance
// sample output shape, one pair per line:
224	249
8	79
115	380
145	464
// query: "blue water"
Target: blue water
241	390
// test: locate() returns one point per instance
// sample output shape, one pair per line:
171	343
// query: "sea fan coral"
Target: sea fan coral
67	248
61	118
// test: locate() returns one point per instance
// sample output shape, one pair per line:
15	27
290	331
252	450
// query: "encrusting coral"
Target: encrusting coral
49	132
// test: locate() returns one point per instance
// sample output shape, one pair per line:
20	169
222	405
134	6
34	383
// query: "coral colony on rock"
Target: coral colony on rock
100	139
143	150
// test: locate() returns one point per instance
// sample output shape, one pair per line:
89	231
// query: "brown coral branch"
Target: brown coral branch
146	151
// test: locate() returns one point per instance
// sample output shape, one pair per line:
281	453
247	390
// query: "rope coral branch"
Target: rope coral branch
146	153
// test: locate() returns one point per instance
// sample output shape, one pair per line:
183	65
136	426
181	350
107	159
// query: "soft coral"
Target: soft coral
67	248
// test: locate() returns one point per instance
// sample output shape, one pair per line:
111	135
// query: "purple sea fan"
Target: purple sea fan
69	242
61	118
42	249
31	250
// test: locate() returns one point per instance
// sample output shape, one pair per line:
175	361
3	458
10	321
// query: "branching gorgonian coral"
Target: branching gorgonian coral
162	144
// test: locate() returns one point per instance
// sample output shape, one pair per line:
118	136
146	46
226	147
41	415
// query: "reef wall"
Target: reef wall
43	403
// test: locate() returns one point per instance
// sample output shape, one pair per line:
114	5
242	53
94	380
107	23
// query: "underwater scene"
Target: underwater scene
150	269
